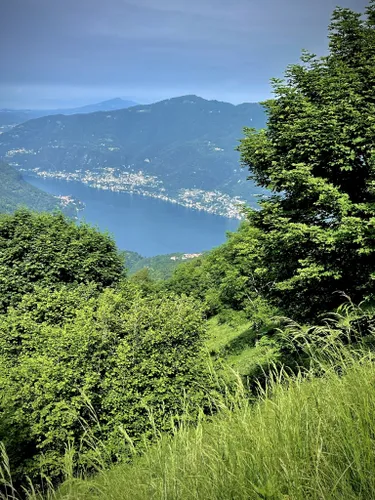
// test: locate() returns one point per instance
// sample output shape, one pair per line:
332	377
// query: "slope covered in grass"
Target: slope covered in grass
241	344
306	438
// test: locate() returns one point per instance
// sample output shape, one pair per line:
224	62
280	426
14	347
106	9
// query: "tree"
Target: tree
50	249
317	157
222	278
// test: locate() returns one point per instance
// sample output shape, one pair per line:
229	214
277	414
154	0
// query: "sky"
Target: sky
66	53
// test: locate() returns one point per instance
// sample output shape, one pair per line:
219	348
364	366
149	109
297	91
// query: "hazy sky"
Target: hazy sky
71	52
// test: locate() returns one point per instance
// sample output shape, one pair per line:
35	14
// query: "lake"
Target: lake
145	225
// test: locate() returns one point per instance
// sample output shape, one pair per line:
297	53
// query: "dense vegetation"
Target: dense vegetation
85	356
306	437
80	367
98	368
49	250
15	192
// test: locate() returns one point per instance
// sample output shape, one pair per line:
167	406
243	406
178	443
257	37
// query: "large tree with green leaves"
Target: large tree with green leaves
317	157
50	250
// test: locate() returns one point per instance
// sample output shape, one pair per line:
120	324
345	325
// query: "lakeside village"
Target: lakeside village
140	183
116	180
186	256
67	201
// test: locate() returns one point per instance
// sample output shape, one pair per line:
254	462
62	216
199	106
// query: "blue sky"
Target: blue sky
57	53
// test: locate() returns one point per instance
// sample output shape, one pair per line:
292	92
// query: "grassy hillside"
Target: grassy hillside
15	192
305	438
239	344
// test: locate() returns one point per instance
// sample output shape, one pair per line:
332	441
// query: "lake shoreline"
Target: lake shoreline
146	225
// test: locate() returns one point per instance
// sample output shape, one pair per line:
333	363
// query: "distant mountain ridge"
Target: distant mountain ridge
17	116
109	105
180	149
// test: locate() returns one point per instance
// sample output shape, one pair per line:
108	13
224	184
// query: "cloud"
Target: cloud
156	44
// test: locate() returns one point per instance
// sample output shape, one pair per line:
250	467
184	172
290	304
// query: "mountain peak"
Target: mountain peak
185	100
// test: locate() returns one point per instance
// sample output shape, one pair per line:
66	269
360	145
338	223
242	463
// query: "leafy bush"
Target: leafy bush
50	249
77	367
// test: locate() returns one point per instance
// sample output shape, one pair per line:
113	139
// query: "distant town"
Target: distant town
186	256
70	201
137	182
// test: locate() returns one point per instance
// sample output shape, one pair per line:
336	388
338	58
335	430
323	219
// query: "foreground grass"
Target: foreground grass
313	438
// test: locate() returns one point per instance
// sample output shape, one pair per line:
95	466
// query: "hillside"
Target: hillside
181	149
249	374
159	267
15	192
305	439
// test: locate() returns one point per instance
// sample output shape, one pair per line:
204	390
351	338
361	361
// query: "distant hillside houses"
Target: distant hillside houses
186	256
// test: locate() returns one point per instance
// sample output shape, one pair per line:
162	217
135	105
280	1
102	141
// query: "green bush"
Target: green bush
223	278
78	368
50	249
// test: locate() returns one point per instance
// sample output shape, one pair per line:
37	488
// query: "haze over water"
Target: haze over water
141	224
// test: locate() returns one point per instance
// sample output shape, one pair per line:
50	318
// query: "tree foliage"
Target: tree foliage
223	278
317	156
50	249
78	368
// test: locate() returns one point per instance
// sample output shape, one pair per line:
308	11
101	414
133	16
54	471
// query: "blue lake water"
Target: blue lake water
145	225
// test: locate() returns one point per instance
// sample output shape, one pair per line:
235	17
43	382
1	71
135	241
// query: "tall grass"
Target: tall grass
307	437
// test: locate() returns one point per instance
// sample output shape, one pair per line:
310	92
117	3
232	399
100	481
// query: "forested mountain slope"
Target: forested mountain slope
182	148
15	192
